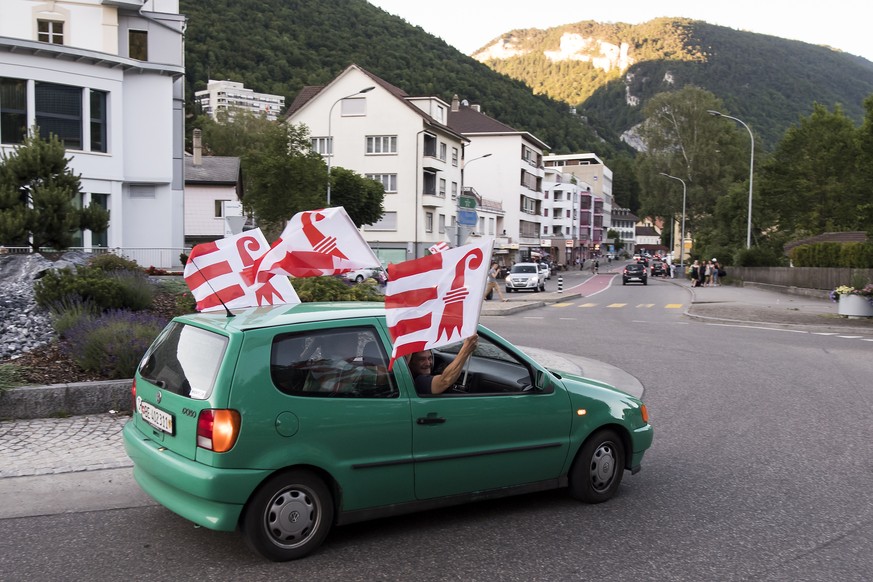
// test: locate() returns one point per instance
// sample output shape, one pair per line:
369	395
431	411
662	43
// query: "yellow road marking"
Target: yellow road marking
588	305
645	305
673	306
561	304
617	305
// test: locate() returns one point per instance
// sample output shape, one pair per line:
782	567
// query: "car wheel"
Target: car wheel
599	466
288	517
509	289
359	279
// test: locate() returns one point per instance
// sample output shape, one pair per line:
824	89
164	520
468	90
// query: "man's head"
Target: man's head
421	363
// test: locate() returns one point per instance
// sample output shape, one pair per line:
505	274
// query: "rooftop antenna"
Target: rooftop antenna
214	292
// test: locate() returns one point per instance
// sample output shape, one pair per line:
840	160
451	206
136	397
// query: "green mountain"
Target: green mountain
280	46
609	71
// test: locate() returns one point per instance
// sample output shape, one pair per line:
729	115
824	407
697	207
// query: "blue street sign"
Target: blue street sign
468	217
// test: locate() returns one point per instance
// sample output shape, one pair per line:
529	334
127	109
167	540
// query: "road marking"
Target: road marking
561	304
648	305
617	305
532	317
673	306
824	333
569	318
588	305
851	336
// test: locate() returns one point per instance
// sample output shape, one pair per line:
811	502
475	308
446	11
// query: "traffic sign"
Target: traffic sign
467	202
468	217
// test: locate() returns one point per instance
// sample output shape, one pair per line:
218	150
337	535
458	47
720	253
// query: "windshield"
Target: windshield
184	360
524	269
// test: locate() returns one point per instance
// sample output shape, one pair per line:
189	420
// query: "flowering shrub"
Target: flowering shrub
866	292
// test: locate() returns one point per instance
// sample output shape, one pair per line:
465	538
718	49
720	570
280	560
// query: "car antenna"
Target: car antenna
214	292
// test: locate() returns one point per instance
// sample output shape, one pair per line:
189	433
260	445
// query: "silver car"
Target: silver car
527	276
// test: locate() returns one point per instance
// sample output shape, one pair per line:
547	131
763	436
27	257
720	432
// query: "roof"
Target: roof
466	120
832	237
212	170
646	231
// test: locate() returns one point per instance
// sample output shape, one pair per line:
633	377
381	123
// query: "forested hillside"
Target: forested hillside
280	46
770	82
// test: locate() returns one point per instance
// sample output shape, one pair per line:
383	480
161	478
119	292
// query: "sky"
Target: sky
469	24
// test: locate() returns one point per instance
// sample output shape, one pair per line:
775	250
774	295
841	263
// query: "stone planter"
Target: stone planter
854	306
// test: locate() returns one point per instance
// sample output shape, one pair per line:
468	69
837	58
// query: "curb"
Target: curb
28	402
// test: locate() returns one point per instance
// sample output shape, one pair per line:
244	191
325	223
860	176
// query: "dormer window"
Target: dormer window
50	31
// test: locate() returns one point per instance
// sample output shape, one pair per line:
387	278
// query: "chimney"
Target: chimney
456	104
477	108
198	149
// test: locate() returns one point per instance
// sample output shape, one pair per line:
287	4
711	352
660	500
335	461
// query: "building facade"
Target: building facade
363	123
106	77
230	96
213	195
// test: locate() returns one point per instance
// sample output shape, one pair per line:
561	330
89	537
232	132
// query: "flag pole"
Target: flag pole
487	265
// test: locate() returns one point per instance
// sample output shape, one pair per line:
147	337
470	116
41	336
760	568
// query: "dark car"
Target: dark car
659	269
634	272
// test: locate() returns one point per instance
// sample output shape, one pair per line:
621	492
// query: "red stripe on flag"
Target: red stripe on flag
415	267
411	298
201	275
202	249
412	325
403	349
227	294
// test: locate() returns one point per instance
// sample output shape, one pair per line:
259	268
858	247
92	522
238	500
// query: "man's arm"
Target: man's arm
446	380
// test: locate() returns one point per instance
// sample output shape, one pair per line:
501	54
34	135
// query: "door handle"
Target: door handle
430	420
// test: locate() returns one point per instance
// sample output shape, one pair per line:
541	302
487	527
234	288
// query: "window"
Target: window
142	191
442	192
98	121
322	145
430	145
442	223
387	222
443	150
545	212
491	226
138	44
100	239
219	208
388	181
13	110
50	31
428	221
347	362
455	157
429	186
454	190
381	144
59	112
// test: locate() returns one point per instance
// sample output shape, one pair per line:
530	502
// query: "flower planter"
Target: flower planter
854	306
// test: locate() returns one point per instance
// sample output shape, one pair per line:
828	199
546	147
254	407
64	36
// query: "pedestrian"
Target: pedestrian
715	268
693	273
672	270
708	281
493	284
595	267
701	274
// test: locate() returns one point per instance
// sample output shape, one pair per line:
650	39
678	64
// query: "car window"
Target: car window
184	360
523	269
491	370
335	363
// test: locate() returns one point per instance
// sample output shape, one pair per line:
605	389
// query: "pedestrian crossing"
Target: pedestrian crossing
589	305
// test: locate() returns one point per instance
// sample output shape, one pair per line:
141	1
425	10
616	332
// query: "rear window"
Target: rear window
524	269
184	360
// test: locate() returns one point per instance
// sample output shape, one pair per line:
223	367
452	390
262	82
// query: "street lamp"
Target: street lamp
682	235
329	144
751	172
464	164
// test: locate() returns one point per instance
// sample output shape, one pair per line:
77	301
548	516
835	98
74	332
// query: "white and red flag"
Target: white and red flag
315	243
439	247
214	274
435	300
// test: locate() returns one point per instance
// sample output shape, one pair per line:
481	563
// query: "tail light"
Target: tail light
217	429
133	396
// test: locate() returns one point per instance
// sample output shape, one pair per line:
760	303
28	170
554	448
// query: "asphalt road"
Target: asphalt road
761	470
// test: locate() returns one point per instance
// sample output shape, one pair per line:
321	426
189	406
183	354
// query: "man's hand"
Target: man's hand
450	375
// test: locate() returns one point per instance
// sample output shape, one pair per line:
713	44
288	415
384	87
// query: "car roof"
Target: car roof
274	315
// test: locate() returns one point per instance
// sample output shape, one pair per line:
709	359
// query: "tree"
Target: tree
38	197
361	197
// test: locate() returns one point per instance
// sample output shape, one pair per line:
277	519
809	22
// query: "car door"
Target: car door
502	432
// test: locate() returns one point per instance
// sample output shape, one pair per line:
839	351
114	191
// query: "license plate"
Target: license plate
156	417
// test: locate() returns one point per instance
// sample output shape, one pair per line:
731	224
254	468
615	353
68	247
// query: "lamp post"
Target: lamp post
330	138
458	208
751	172
682	234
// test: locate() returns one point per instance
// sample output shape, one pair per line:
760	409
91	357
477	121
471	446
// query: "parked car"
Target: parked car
634	272
659	269
360	275
546	269
526	276
285	421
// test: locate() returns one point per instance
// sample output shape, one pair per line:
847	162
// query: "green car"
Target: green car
285	421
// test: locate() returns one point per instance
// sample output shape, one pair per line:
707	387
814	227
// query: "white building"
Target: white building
505	165
231	96
588	168
363	123
107	77
563	216
213	195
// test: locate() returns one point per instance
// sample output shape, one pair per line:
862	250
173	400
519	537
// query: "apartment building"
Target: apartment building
624	222
505	165
563	217
363	123
106	77
230	96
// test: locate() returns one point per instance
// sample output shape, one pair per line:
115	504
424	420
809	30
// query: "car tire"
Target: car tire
288	517
509	289
598	468
359	279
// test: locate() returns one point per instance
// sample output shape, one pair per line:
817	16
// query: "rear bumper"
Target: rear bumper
208	496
